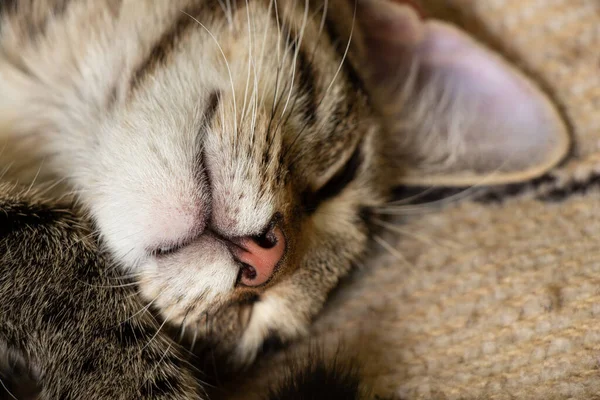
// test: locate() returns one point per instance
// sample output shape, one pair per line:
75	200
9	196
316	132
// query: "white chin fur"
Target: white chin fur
183	285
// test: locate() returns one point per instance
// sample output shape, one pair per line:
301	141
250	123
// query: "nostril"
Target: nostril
266	240
248	272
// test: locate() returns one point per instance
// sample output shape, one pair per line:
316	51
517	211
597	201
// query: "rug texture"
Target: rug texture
492	294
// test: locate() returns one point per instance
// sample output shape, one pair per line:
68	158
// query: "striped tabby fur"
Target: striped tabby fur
181	126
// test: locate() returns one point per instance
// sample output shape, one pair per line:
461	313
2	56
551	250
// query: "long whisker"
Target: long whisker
390	249
254	95
157	364
312	57
142	310
279	62
235	129
262	52
345	51
37	174
285	120
125	277
125	285
327	91
409	233
157	331
410	199
249	61
426	207
295	59
282	62
6	390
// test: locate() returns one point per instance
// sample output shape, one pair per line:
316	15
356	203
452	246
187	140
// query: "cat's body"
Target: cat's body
231	153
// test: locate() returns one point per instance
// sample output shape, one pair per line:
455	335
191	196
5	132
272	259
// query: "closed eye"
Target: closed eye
335	185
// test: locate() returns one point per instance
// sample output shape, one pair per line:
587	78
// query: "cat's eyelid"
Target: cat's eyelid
337	182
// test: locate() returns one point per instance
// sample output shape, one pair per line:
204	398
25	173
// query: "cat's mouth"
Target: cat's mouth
258	257
168	250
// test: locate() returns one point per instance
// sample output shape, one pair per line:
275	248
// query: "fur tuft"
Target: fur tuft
320	379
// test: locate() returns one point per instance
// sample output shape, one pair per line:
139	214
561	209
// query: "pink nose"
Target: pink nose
260	256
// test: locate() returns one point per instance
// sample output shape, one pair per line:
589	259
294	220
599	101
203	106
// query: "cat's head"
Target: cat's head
255	141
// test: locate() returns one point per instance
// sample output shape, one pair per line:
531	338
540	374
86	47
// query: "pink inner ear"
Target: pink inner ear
467	109
513	124
445	50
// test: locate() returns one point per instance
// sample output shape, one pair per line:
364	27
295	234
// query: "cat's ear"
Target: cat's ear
458	113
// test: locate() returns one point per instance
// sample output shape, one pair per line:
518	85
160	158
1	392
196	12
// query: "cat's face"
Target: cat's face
239	159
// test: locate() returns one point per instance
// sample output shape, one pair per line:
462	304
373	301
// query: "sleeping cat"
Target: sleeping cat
231	153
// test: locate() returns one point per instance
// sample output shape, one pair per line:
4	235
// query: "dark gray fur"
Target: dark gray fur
65	321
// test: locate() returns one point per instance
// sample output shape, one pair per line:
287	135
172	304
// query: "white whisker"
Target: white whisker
426	207
409	233
249	62
235	129
142	310
6	390
390	249
345	51
262	52
37	174
299	40
157	331
410	199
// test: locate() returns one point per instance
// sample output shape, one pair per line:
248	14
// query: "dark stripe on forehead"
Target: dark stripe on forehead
340	44
306	73
185	20
307	84
165	45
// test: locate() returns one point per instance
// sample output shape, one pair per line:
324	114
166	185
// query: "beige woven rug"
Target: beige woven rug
495	299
